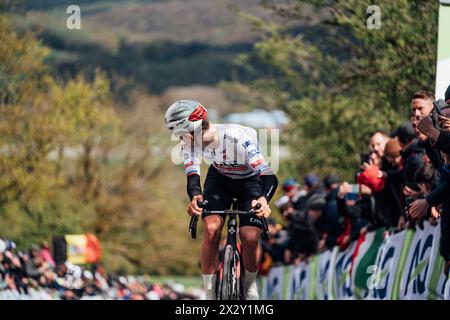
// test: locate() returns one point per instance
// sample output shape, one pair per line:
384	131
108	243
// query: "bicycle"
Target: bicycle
229	281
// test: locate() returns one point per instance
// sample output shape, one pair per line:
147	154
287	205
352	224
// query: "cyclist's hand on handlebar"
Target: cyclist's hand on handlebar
193	208
264	211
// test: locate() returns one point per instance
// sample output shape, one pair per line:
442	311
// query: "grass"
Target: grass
187	281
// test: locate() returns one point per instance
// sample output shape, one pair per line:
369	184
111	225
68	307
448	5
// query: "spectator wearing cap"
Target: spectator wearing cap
291	189
330	220
286	208
303	233
314	194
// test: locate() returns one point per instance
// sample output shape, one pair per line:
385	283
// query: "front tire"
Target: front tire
231	278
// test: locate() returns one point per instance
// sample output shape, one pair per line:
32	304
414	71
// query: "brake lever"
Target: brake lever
193	227
194	220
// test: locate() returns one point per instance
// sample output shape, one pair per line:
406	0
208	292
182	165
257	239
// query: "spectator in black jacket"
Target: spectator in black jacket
392	166
360	213
412	157
330	221
440	195
313	193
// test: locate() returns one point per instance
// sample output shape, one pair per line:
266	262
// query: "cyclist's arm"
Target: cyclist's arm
192	170
270	183
262	168
193	185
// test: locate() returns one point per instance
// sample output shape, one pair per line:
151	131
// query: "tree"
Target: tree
339	80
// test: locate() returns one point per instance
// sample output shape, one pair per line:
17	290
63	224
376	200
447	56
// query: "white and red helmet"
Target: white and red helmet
185	116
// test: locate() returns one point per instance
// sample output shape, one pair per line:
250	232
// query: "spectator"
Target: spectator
303	237
440	195
330	220
46	255
286	208
28	276
378	140
365	214
277	243
388	199
314	194
412	157
291	189
422	106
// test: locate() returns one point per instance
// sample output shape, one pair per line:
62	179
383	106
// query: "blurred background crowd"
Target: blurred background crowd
33	274
402	180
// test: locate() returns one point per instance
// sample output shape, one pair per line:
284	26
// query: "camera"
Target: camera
364	158
435	113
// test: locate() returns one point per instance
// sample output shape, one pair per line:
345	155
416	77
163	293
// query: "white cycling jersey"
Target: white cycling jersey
238	156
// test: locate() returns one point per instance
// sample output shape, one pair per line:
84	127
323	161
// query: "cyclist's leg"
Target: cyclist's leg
250	229
218	199
251	255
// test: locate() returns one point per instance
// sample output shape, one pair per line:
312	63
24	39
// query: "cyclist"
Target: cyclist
238	170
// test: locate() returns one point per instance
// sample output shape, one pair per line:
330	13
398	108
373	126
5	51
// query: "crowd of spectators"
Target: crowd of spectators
403	179
35	275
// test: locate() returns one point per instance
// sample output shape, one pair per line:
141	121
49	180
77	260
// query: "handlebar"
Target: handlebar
202	204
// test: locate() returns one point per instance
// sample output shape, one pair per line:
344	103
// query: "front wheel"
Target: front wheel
230	278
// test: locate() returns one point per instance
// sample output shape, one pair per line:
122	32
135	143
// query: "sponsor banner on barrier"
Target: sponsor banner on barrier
294	283
303	283
332	275
364	262
273	289
312	278
323	270
286	281
342	280
437	283
417	268
404	265
382	282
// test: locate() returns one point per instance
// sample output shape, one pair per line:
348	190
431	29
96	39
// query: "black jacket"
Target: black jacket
330	220
412	161
389	199
363	214
441	195
431	151
303	236
443	142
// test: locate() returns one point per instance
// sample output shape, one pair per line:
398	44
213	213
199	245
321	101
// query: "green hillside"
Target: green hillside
157	44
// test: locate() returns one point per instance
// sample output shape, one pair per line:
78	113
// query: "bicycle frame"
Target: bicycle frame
231	242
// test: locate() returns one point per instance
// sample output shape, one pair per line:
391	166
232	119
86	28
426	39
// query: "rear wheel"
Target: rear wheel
230	284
